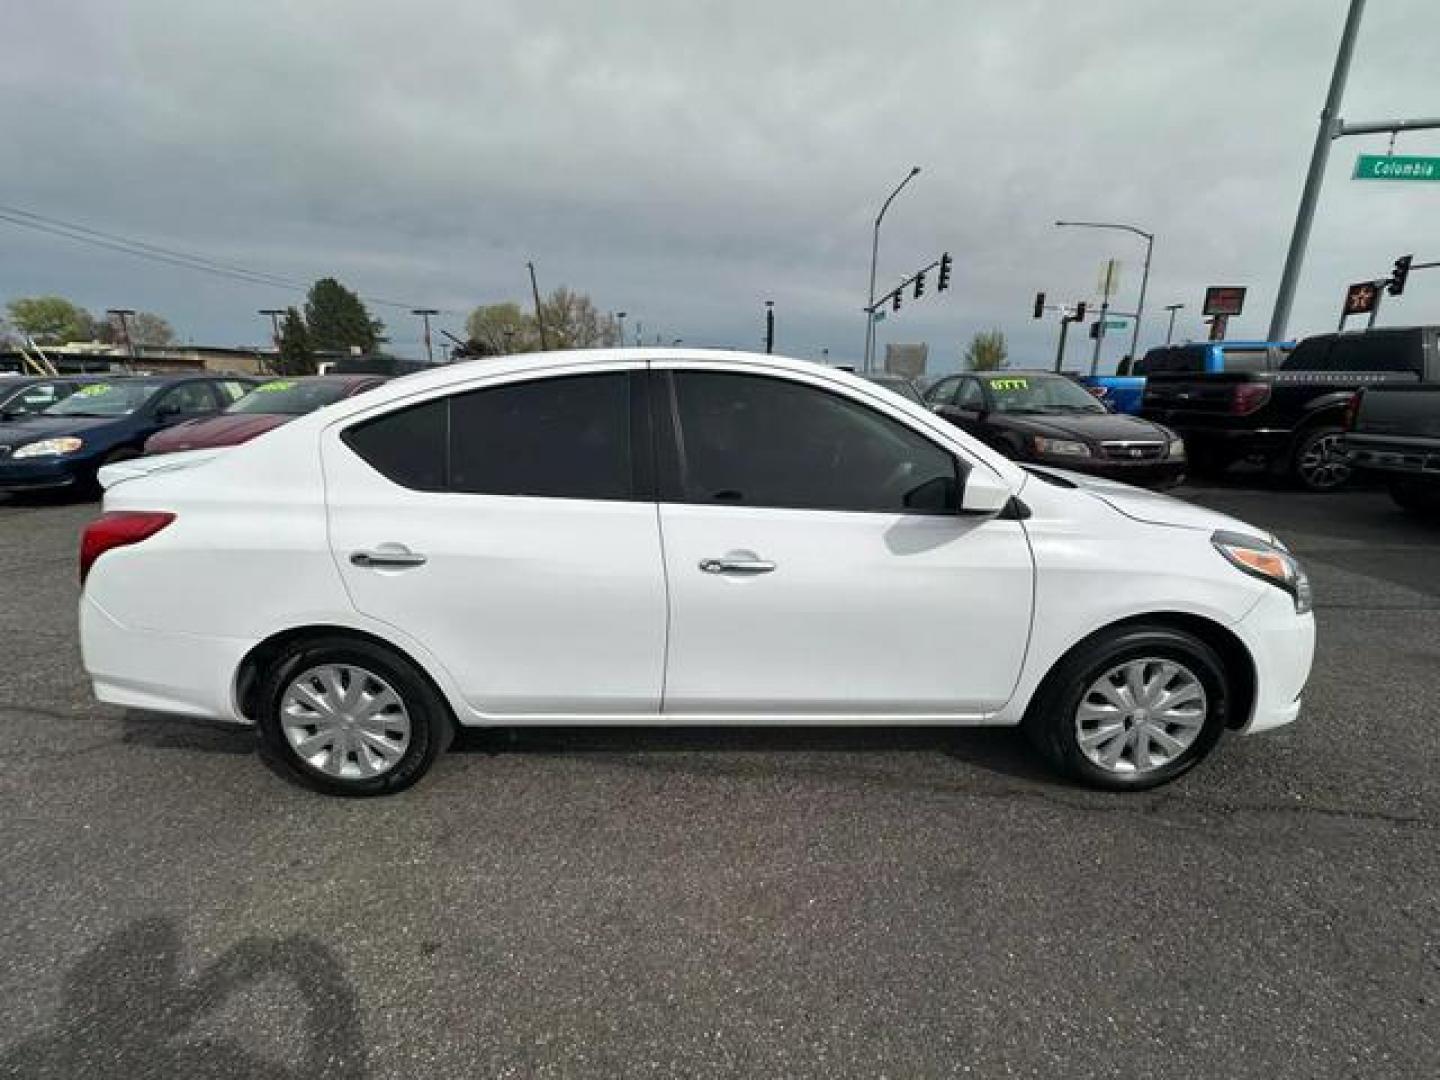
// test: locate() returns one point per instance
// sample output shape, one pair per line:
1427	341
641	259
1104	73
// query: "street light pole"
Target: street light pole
539	315
1144	276
769	326
1170	331
620	319
425	314
874	259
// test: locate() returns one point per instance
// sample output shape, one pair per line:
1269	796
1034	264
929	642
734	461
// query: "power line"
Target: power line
141	249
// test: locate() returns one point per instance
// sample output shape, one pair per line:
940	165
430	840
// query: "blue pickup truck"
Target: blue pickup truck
1123	390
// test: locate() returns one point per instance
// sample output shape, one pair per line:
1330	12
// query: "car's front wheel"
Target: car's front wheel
349	717
1132	708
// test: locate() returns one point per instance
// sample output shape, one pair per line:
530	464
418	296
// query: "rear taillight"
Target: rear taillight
1352	410
1247	397
118	528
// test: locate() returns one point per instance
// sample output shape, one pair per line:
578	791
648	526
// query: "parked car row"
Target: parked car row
58	432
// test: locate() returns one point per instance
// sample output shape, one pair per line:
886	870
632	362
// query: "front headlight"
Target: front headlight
1177	448
1268	562
67	444
1060	447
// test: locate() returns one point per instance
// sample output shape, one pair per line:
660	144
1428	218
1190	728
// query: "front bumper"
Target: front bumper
1164	473
1282	646
1231	443
39	474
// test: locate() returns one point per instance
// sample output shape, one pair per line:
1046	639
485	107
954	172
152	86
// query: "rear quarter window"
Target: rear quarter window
407	446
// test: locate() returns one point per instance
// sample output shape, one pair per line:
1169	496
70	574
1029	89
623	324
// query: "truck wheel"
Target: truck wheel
1318	463
1420	499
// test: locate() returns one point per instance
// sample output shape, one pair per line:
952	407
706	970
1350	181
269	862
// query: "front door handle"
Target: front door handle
736	566
387	556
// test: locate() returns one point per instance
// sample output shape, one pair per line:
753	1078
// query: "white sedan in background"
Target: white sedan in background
675	537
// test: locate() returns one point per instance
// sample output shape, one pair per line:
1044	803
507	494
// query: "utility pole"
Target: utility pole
274	314
1332	127
1060	348
123	316
425	314
874	259
769	326
1170	330
620	317
539	316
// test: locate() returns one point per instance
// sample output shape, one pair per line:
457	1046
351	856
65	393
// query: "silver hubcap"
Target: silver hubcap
1323	464
345	721
1140	716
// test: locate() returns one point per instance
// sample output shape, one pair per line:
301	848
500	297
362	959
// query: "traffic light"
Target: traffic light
944	282
1039	305
895	301
919	284
1095	330
1080	311
1399	275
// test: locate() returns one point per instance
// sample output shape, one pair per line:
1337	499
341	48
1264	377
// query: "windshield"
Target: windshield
105	399
1040	394
290	397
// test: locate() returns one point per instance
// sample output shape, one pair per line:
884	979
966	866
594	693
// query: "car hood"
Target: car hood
1153	508
18	432
1086	427
225	430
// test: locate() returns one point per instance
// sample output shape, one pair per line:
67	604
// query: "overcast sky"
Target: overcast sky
686	161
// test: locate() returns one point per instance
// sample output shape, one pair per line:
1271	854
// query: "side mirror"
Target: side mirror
985	493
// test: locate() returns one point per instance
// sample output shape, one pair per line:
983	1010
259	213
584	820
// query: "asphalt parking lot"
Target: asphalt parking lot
804	903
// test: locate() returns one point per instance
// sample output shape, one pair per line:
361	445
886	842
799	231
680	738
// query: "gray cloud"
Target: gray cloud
685	161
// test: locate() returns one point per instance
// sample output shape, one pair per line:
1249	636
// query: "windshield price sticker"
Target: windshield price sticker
275	387
1009	384
93	390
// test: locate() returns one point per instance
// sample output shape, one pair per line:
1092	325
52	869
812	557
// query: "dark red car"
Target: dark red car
266	407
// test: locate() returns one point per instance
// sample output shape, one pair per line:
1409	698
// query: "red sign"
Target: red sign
1361	298
1224	300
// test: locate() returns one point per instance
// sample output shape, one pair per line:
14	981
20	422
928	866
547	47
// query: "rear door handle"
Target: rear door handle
387	556
736	566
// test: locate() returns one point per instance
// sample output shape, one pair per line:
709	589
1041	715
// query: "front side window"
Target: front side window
942	391
753	440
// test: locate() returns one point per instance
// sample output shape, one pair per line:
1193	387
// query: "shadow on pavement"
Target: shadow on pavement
127	1013
162	732
1000	750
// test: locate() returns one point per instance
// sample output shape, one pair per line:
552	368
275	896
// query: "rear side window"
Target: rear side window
406	446
1376	351
1169	360
569	437
566	438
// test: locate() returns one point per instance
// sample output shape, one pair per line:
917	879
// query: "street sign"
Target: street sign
1109	277
1224	300
1115	324
1361	298
1397	167
879	316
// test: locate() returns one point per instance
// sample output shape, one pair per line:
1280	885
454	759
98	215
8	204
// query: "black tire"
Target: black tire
1418	498
1313	465
1050	722
431	724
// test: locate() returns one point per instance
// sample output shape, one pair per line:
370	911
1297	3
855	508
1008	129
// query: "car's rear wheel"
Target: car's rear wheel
1132	708
350	717
1318	462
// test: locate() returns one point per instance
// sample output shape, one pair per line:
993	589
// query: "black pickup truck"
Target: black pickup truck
1291	418
1393	434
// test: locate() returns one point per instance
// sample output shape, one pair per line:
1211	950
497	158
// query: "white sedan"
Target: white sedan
675	537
